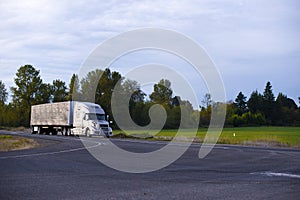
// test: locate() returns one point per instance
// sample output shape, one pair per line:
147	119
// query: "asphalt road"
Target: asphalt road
64	169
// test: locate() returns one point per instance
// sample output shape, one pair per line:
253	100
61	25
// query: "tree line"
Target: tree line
29	89
263	109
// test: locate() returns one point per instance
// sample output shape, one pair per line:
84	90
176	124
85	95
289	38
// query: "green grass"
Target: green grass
278	136
4	137
263	136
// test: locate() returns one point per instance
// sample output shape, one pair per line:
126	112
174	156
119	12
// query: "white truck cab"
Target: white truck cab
89	119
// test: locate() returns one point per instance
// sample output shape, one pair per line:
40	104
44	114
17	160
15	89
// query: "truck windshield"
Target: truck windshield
94	116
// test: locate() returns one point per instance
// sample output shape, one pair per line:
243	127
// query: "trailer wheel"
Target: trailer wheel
64	131
54	132
68	131
32	130
39	131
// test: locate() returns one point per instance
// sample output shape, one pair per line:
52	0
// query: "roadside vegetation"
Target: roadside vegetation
11	143
258	112
20	129
260	109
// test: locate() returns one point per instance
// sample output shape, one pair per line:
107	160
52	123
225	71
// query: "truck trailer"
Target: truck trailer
69	118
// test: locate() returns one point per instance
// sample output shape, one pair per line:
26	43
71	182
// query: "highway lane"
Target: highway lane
63	169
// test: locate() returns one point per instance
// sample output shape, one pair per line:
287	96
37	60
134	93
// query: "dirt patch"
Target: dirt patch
12	143
265	143
19	129
132	136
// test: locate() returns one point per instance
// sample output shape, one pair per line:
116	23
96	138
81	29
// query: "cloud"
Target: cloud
243	37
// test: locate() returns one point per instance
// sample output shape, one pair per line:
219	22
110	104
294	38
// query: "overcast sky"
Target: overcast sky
251	42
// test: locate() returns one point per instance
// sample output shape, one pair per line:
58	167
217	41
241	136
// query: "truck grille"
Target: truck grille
104	127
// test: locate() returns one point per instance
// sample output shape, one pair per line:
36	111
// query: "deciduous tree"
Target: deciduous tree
206	101
162	93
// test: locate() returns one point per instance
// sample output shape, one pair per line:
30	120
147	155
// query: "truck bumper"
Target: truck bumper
95	132
101	133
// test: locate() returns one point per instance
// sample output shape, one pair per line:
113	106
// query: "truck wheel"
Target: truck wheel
88	133
64	131
32	130
54	132
68	131
39	130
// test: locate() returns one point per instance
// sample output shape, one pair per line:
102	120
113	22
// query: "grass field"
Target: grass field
257	136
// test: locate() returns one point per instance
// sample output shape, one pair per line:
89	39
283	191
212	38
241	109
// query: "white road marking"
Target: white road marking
278	174
55	152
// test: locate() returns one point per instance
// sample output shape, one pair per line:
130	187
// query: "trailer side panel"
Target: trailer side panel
52	114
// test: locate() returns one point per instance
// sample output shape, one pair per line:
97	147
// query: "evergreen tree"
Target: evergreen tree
284	112
3	98
269	102
283	101
3	93
59	91
26	92
240	104
44	94
74	93
255	102
268	93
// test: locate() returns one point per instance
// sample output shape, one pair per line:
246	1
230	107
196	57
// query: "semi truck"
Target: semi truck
69	118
